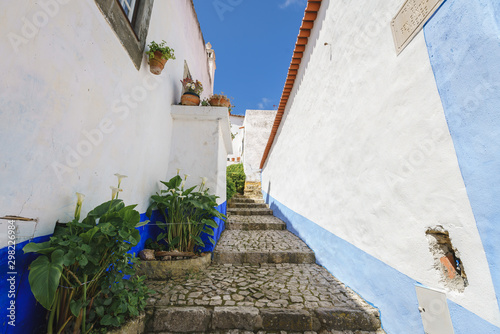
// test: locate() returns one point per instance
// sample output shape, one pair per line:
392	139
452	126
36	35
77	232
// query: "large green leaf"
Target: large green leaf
135	237
42	248
210	223
69	258
109	206
198	241
44	277
188	191
174	182
150	209
208	231
130	216
87	236
140	224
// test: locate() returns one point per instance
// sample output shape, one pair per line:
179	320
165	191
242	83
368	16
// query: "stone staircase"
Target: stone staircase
263	279
253	189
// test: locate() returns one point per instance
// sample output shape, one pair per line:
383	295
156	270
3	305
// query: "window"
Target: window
129	8
130	21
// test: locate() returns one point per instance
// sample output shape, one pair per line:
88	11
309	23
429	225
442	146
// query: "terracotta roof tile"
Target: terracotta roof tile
310	15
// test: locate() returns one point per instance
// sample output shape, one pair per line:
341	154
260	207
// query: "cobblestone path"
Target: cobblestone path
263	280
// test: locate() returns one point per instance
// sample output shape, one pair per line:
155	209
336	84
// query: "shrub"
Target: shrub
80	273
230	188
237	175
187	212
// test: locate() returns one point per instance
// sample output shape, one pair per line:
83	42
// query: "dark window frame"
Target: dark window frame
132	35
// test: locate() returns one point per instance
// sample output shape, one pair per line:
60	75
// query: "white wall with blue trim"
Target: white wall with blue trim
74	110
374	149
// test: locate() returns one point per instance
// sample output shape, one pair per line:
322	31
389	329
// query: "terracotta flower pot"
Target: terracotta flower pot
157	63
220	102
190	99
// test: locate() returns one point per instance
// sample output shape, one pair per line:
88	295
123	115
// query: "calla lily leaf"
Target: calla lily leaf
44	277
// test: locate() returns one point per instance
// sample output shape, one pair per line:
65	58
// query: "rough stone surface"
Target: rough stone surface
341	318
236	317
247	205
245	199
241	292
134	326
236	246
182	319
289	320
147	255
290	286
249	211
162	270
247	223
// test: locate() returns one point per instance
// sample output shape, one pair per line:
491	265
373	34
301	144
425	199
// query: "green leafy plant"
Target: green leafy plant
80	273
167	52
187	212
237	175
230	188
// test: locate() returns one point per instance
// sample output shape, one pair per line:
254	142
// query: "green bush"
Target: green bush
230	188
237	175
80	273
187	212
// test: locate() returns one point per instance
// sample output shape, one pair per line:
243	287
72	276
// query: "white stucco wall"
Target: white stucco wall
74	109
201	142
238	131
365	143
258	124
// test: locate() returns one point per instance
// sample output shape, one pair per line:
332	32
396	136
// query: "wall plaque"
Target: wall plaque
410	19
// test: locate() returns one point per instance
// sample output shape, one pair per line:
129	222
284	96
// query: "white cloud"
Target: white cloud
264	103
292	2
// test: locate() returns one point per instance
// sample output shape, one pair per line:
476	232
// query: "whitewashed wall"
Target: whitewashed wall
258	124
238	131
365	143
74	109
201	141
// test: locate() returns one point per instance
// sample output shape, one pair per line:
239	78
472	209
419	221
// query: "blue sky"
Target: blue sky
253	42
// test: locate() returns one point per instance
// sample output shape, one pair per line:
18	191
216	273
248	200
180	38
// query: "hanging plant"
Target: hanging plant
158	56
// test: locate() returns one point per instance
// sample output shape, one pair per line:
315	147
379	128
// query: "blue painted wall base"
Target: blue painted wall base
463	41
30	317
392	292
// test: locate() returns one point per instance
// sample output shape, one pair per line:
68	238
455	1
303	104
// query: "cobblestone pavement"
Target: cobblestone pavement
237	222
290	294
292	286
263	241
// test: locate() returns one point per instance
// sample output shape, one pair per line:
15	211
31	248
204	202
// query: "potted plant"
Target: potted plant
220	100
192	91
187	213
158	56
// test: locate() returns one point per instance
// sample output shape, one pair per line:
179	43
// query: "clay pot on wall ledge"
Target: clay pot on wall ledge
190	99
157	63
220	101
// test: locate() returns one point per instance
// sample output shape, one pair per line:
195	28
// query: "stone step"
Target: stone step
246	200
248	205
254	223
249	211
283	297
238	247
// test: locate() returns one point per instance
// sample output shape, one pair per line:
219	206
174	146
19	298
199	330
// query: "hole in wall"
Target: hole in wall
447	259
